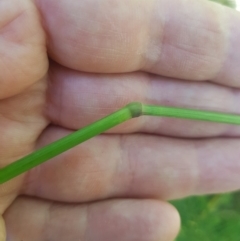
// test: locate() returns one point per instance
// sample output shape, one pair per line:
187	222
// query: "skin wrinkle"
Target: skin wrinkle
221	78
29	182
132	169
54	220
150	58
32	178
201	73
61	101
81	225
132	158
16	40
112	33
195	171
185	172
50	103
88	31
7	68
87	215
150	65
114	27
209	171
11	21
32	33
47	221
5	200
187	48
9	14
125	38
25	122
235	96
166	40
202	26
213	27
191	173
125	158
111	51
225	49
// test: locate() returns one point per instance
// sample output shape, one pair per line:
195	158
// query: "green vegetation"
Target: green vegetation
210	218
229	3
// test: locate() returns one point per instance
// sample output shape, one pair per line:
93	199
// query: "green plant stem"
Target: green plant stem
193	114
130	111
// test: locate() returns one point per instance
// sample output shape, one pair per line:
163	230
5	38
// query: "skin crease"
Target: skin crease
67	63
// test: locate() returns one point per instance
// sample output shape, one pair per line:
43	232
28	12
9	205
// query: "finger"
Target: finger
22	47
133	166
77	99
120	220
194	40
2	229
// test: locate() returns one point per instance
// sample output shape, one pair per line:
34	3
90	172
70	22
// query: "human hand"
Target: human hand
105	54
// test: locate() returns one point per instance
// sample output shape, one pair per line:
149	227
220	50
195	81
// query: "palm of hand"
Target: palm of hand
134	166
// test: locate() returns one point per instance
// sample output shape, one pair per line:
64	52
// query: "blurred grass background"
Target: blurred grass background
211	217
229	3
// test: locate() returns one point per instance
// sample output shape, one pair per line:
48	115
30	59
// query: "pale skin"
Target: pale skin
105	54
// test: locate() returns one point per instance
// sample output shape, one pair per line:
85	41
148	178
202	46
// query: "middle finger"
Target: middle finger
77	99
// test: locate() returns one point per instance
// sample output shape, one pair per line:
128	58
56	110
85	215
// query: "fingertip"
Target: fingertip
140	220
169	221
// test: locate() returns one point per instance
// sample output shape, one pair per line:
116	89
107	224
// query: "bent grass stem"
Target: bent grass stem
132	110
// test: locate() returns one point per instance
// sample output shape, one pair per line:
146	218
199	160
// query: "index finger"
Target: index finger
194	40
